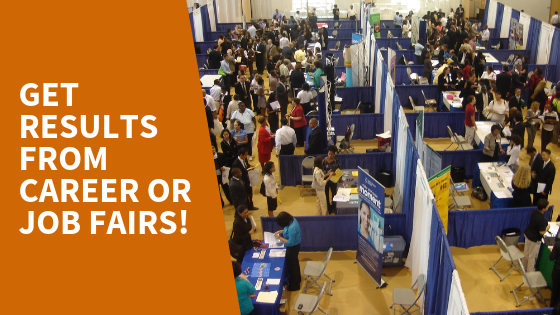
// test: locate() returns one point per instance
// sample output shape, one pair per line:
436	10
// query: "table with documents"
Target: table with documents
544	264
347	192
271	268
496	181
208	80
455	104
483	129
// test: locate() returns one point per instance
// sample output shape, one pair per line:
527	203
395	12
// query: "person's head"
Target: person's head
242	107
313	122
296	101
282	78
260	81
236	268
525	59
351	7
505	68
331	151
242	211
485	27
513	112
428	56
545	153
516	139
365	213
283	219
498	96
522	178
471	99
460	74
318	65
538	71
542	205
305	87
489	69
298	66
318	162
242	79
262	121
535	107
518	117
446	71
483	89
225	134
236	172
518	92
495	130
276	10
203	93
269	41
269	168
531	151
243	152
284	121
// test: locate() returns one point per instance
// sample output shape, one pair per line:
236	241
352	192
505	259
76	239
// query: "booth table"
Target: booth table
483	129
248	262
346	181
496	181
490	58
208	80
454	105
544	264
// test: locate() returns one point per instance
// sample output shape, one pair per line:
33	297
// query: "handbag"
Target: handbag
235	250
221	72
263	189
479	193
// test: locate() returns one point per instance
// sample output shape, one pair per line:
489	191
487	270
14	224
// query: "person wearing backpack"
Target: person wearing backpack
270	186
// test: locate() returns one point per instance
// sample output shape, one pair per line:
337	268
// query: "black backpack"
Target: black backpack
263	188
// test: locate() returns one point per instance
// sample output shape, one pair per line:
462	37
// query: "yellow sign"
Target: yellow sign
439	184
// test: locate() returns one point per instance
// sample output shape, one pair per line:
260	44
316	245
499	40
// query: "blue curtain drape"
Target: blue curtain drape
201	60
533	39
409	188
401	76
191	19
205	45
205	20
396	32
515	14
408	54
435	124
204	72
352	96
366	125
467	159
392	43
290	165
499	17
383	86
538	311
395	128
404	91
340	232
554	62
485	19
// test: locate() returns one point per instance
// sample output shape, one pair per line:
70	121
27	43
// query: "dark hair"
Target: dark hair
547	151
538	70
236	97
318	162
283	219
494	128
260	81
225	130
284	121
491	68
236	268
542	204
215	46
267	166
305	86
318	65
240	124
516	139
296	100
241	208
531	150
518	116
332	148
505	68
242	151
470	98
469	84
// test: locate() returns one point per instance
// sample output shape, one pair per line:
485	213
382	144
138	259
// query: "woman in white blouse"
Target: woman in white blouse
271	187
550	119
305	97
489	74
319	182
513	151
532	117
498	107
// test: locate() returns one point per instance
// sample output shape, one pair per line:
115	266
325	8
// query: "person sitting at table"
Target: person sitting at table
459	81
492	145
331	163
244	289
489	75
291	236
521	184
305	97
242	231
499	109
537	227
513	151
466	92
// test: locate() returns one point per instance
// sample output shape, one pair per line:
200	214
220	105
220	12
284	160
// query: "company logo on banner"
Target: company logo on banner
356	38
375	21
439	184
371	224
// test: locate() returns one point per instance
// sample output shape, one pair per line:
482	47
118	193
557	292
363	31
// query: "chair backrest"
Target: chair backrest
510	58
425	99
319	297
335	24
399	45
314	93
411	101
408	71
337	46
451	135
503	247
421	281
529	75
351	132
498	46
209	50
520	264
404	59
308	162
335	33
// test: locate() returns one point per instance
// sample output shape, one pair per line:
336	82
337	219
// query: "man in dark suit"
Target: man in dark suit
518	127
543	177
517	79
241	163
503	81
242	88
482	100
237	191
442	52
243	42
315	140
261	56
535	160
282	95
313	21
516	101
214	58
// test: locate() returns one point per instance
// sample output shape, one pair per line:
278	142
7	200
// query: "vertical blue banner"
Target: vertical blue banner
371	224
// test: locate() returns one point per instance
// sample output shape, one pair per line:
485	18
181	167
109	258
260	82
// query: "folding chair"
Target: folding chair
335	63
307	164
335	33
508	61
429	103
529	75
412	76
458	201
335	24
309	303
337	45
414	107
510	253
534	280
314	270
399	46
353	111
455	139
390	35
209	50
497	46
406	297
347	140
424	81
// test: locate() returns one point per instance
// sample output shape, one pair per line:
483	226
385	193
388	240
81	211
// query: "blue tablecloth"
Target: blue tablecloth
248	261
451	108
495	202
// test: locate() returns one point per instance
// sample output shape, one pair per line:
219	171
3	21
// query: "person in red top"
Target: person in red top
470	125
266	142
467	70
534	80
298	120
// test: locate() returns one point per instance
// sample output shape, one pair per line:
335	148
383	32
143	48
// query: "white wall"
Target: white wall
538	9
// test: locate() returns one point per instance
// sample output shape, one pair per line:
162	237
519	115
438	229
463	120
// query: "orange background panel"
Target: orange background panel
129	58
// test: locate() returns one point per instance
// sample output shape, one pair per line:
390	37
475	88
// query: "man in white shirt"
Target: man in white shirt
216	91
252	31
285	139
485	36
351	13
297	17
284	41
209	101
555	19
443	21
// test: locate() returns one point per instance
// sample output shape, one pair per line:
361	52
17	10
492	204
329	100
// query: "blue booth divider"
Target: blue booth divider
201	60
408	55
366	125
480	227
290	165
435	124
538	311
405	91
204	46
392	43
352	96
396	32
401	76
319	233
203	72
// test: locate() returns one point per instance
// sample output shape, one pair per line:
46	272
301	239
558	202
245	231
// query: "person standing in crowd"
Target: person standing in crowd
503	81
418	47
543	175
277	16
214	58
261	98
492	145
297	118
538	225
336	13
499	109
241	163
291	236
331	163
317	81
229	147
443	80
237	191
517	127
534	81
219	165
242	88
319	182
516	101
555	100
297	79
265	143
521	184
485	36
272	113
261	56
539	95
271	187
534	123
466	92
225	71
216	91
555	20
282	95
428	67
252	30
247	118
470	123
513	151
242	231
286	139
244	289
550	119
315	139
351	13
